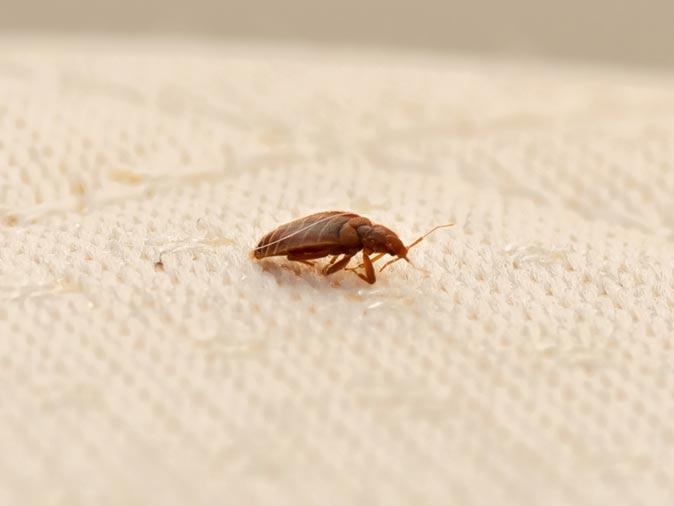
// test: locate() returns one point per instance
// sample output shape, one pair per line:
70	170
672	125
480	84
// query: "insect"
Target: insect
337	234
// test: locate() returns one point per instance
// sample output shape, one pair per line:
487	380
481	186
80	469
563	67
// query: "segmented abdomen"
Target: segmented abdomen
315	231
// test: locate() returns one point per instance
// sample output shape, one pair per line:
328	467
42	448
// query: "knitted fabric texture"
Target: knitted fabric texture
145	358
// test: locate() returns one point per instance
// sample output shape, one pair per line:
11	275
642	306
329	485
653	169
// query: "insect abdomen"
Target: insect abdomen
320	230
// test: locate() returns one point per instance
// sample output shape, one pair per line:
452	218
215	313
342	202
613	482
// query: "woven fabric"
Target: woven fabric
145	358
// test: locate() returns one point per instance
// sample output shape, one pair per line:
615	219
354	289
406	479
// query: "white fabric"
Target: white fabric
529	362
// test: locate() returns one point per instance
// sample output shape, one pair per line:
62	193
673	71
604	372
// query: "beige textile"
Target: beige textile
527	361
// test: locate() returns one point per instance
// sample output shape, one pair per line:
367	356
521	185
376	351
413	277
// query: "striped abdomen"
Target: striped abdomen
316	232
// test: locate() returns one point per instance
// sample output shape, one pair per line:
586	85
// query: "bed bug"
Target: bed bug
337	234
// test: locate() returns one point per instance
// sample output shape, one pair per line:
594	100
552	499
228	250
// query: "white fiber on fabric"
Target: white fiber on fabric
145	358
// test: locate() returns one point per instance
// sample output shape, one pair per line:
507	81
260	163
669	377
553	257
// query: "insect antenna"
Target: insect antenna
427	234
414	243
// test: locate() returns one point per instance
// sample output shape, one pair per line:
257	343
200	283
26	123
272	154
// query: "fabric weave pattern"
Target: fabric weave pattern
527	361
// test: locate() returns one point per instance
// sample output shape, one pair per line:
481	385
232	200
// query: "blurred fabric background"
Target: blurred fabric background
616	31
145	359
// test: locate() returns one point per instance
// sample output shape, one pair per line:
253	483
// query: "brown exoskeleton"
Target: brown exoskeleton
335	233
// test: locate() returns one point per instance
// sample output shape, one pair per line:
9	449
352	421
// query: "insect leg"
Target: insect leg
331	269
373	260
369	275
377	257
